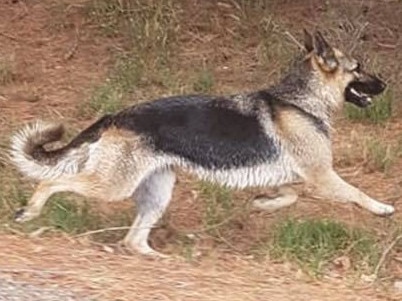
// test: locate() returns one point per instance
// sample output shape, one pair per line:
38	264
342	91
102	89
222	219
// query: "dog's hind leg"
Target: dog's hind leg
286	197
83	184
35	204
152	197
329	184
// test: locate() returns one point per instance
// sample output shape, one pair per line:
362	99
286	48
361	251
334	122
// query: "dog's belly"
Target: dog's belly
265	175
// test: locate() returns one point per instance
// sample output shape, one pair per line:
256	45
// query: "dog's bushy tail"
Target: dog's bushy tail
33	160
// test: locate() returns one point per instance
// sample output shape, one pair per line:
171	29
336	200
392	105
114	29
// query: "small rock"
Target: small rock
299	274
342	263
107	249
368	278
398	285
190	236
39	232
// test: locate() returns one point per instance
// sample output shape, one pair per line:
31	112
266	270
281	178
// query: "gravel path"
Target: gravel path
11	290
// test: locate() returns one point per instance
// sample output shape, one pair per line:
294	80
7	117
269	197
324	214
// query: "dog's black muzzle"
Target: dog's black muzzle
361	90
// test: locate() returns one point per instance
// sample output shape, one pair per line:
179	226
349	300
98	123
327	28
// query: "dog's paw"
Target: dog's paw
271	205
22	215
142	249
265	204
149	252
383	210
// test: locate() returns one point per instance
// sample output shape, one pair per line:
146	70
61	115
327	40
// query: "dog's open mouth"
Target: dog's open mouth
357	97
361	93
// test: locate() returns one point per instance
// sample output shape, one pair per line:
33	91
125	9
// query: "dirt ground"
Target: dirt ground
57	57
119	277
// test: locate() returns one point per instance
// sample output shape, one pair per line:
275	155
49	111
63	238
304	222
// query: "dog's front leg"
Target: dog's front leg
330	185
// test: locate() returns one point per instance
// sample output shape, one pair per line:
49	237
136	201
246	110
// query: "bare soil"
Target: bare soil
104	276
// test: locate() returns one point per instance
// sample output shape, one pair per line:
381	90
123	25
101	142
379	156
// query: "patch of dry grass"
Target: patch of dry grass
380	155
6	72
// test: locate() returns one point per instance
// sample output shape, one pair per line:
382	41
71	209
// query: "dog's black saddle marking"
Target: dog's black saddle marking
207	131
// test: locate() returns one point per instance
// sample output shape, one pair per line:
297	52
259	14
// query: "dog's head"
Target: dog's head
342	71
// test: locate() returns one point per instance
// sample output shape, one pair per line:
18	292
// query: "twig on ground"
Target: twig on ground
387	46
39	232
294	40
14	231
70	53
384	255
103	230
11	37
32	271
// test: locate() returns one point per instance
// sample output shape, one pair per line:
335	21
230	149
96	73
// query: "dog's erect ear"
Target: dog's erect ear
308	41
324	52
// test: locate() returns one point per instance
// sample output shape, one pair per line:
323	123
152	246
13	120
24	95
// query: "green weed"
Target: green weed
6	73
275	47
204	81
380	155
107	14
75	215
105	99
148	26
69	216
315	243
109	97
186	246
219	204
148	29
379	112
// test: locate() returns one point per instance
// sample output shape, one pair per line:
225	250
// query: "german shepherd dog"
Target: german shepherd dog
272	137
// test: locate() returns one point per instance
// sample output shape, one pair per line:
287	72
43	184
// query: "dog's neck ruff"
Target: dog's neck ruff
303	90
